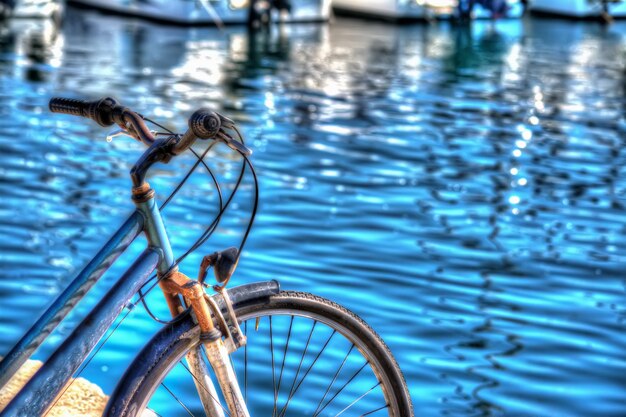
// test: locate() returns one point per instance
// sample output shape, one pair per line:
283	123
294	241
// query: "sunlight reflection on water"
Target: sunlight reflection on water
467	183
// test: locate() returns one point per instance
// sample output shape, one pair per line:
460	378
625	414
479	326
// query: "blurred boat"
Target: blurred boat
403	10
513	9
31	9
206	12
36	9
396	10
580	9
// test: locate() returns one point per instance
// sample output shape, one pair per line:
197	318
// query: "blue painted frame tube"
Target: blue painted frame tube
156	233
66	301
39	393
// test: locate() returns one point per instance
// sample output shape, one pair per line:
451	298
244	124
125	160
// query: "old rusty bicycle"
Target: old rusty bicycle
270	352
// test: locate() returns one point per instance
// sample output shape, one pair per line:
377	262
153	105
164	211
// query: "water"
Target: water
461	189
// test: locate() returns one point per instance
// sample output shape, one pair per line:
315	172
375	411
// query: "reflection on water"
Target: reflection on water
466	182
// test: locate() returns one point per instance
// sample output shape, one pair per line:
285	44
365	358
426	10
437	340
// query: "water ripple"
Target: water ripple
466	182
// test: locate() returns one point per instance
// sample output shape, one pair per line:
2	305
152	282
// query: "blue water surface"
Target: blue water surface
463	189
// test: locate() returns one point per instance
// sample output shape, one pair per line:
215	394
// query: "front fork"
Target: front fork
205	310
221	364
204	384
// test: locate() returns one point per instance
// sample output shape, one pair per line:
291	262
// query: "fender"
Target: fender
169	335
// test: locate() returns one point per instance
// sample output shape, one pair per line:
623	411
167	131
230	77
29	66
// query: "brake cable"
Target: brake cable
199	242
200	159
191	170
212	227
169	198
255	206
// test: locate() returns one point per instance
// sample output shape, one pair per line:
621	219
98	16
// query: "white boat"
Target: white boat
35	9
383	9
579	9
403	10
206	12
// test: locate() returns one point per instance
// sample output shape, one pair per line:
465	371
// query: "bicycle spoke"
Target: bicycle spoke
245	363
273	371
284	409
342	388
176	398
282	366
306	347
315	413
358	399
332	402
321	373
374	411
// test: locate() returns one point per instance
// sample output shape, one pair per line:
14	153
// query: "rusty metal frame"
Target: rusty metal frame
176	283
171	281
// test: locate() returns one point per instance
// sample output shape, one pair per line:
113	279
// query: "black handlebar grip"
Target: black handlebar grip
205	124
68	106
101	111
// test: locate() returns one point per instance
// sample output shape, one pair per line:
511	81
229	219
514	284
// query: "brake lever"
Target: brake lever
123	132
233	144
118	132
226	122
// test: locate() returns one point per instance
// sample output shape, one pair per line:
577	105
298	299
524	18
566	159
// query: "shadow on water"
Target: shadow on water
460	187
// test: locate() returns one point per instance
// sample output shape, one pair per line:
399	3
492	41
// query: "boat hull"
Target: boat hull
398	10
381	9
187	13
576	9
36	9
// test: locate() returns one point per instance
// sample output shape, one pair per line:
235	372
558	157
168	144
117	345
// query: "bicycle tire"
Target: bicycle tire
294	304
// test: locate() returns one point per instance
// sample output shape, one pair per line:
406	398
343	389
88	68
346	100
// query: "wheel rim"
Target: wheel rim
341	385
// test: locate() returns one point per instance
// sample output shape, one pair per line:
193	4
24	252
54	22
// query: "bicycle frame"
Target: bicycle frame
39	393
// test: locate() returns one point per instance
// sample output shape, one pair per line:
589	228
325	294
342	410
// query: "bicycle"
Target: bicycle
255	323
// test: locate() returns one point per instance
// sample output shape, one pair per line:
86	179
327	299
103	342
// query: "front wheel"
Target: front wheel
305	356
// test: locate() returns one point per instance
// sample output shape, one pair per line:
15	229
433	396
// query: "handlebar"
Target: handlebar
106	112
203	124
101	111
